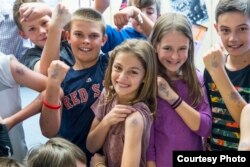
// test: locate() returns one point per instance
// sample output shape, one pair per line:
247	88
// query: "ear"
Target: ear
67	36
22	34
104	39
216	27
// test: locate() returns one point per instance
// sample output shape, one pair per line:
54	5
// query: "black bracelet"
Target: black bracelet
177	103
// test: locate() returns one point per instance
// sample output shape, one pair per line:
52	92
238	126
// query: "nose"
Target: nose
123	76
86	40
42	30
233	36
175	54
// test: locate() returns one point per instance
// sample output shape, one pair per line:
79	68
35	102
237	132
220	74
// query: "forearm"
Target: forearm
146	23
189	115
97	136
231	97
51	49
244	129
101	5
50	119
151	164
33	108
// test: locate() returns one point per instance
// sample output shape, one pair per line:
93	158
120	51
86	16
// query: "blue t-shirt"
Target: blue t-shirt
116	37
81	89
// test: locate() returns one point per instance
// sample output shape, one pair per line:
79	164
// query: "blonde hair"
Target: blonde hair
146	55
89	15
9	162
56	152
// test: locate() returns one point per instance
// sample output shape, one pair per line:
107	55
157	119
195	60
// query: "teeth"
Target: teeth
122	85
85	49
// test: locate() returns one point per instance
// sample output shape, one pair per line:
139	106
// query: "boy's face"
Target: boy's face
151	13
86	39
36	30
234	31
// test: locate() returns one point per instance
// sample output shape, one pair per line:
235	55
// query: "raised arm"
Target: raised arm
122	17
50	118
100	5
51	50
197	121
214	61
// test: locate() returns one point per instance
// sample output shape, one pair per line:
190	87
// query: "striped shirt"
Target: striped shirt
10	41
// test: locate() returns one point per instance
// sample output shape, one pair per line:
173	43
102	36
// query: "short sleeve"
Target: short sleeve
6	78
98	107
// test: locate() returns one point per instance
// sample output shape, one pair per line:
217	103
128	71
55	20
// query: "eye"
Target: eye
224	30
78	34
31	29
150	11
183	49
167	48
243	29
93	36
133	72
117	68
44	23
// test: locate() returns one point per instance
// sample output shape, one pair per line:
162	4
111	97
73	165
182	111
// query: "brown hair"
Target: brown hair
178	22
224	6
9	162
145	53
16	7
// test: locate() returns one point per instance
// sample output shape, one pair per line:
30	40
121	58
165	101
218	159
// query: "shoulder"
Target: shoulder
200	76
134	121
5	59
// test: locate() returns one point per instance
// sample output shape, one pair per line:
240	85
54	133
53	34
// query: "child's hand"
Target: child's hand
6	121
118	114
122	17
214	59
57	71
97	159
32	10
165	91
60	16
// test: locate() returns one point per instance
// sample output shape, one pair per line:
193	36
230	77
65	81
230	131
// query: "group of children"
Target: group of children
130	103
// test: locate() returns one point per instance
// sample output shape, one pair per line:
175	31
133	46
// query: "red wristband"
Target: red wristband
50	106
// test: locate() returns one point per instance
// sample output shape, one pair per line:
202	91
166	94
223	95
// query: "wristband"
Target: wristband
50	106
176	103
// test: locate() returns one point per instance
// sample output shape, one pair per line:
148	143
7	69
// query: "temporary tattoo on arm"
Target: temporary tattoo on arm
214	63
134	121
54	73
20	70
163	88
234	96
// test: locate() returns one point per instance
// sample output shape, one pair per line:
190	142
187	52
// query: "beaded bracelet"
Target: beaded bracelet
50	106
